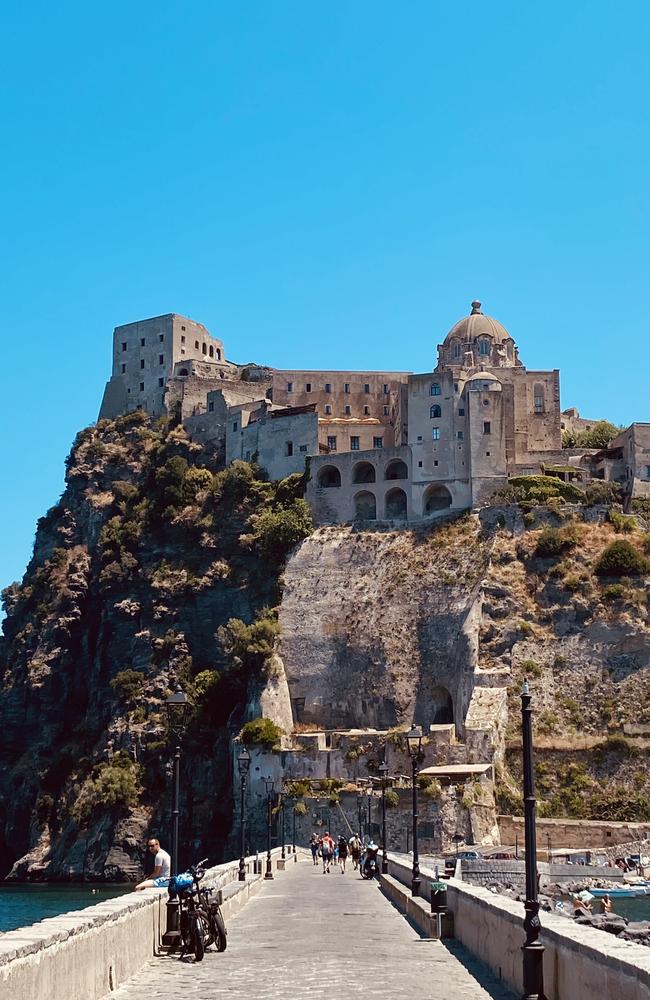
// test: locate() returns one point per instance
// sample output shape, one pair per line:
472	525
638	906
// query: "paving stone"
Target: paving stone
310	936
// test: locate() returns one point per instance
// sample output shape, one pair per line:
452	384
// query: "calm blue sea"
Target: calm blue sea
21	905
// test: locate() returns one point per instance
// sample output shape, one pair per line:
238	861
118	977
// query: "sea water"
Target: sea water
21	905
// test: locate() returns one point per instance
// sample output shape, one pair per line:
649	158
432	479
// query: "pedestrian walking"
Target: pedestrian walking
313	845
327	849
354	846
343	853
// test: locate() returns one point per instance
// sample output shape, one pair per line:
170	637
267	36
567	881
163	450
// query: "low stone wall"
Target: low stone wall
86	954
579	962
576	834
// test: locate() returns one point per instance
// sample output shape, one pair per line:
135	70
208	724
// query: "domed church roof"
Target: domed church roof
469	328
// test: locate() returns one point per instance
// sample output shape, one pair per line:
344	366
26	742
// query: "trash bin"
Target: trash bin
438	897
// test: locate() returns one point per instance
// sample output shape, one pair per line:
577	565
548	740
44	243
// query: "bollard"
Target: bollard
438	897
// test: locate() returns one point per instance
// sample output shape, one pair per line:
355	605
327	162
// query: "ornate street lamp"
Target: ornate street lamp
269	792
383	772
281	798
533	949
244	762
178	707
414	741
294	829
359	816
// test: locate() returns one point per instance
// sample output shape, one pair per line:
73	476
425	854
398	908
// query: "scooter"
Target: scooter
369	867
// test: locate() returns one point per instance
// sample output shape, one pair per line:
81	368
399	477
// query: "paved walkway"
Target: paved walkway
309	936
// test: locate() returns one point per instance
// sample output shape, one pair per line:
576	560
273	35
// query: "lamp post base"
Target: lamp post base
416	882
172	936
269	869
384	866
241	874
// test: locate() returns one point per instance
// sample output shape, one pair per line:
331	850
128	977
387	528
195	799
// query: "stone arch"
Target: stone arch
397	469
328	477
395	505
364	472
436	497
365	506
183	371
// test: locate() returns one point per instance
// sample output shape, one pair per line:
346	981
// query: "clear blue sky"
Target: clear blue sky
322	185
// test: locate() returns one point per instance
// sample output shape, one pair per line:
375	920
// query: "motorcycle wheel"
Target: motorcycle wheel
220	935
196	937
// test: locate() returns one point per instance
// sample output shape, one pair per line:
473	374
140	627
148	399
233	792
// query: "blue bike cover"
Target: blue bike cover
179	882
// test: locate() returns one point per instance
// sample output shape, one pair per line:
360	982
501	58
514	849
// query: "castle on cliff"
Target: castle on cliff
393	446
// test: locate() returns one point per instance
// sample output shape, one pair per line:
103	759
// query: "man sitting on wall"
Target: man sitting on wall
160	875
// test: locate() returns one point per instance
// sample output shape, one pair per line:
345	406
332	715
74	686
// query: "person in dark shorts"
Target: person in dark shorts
327	848
313	846
343	853
354	847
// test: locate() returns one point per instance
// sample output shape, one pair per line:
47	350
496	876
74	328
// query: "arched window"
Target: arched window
539	398
397	470
437	497
183	371
455	349
395	505
365	506
435	411
211	351
218	354
484	348
435	389
363	472
328	477
204	348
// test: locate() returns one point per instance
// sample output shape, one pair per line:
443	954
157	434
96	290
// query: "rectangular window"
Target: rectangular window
196	345
303	447
539	404
377	442
461	411
354	443
486	426
288	449
204	349
331	443
366	411
387	411
211	407
328	387
123	346
386	389
308	387
435	433
161	337
487	454
348	411
248	456
182	350
182	328
328	409
141	362
142	342
419	437
161	359
366	387
435	461
289	386
419	465
142	387
647	471
234	426
161	383
346	387
455	386
459	435
123	369
182	338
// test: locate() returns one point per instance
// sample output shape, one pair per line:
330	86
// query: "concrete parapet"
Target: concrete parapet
86	954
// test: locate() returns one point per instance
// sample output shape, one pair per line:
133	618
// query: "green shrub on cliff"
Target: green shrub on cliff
264	732
621	558
554	541
114	786
539	490
250	645
127	684
392	798
276	531
600	492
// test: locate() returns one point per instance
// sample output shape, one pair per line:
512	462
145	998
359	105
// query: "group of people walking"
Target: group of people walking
332	851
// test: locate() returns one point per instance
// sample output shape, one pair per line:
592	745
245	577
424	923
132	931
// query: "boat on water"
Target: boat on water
622	892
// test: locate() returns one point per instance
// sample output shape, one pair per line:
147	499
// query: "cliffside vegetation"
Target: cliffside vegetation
155	564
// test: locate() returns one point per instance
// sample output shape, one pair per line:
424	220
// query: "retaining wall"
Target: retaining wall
579	962
86	954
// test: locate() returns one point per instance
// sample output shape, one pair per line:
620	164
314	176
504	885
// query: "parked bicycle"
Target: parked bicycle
200	919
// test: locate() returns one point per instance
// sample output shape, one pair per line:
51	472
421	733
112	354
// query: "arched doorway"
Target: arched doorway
365	506
396	470
436	498
363	472
442	706
328	477
395	505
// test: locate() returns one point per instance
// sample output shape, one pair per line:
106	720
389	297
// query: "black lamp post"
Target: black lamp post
533	949
294	829
359	817
178	707
281	807
414	740
269	792
244	762
383	771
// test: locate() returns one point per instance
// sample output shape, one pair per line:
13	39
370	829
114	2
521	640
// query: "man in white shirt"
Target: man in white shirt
159	877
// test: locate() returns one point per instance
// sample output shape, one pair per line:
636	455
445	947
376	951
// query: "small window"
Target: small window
354	443
161	359
456	350
455	386
124	346
331	443
248	456
182	350
141	362
435	433
303	447
328	409
435	461
387	411
204	349
484	348
142	342
161	337
419	437
288	449
123	369
348	411
234	426
435	412
486	426
386	389
378	442
366	387
461	411
328	387
196	345
129	391
161	383
211	407
647	471
346	387
366	411
182	328
487	454
435	389
211	351
486	402
308	387
538	396
142	387
419	465
459	435
182	338
218	354
289	386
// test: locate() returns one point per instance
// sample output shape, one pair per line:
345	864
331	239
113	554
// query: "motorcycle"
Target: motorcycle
369	867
